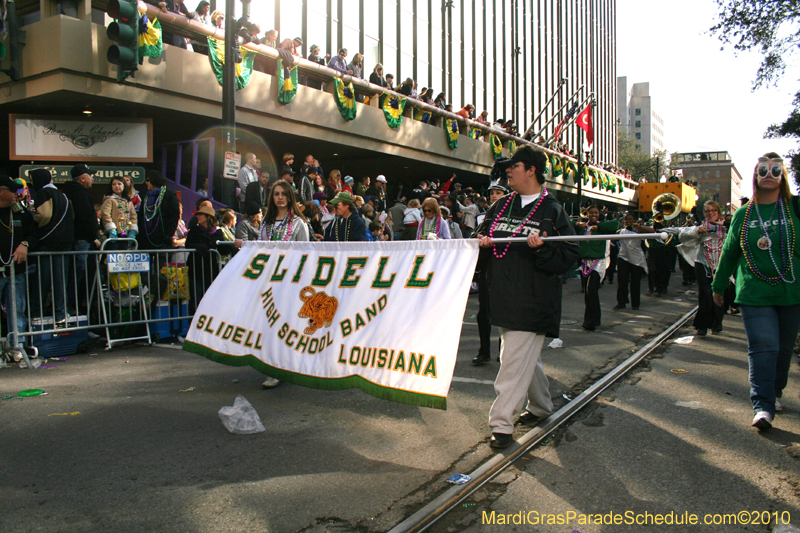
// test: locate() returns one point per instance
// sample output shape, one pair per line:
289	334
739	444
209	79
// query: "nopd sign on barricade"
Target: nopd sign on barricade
128	262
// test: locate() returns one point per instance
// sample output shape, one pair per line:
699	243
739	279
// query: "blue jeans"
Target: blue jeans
50	268
76	282
771	332
5	296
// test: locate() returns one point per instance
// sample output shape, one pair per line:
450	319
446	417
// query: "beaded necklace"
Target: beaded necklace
785	223
275	229
124	210
712	248
150	211
426	227
518	229
10	229
336	229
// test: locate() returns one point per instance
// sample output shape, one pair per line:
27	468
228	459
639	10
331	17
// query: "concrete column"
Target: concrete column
48	8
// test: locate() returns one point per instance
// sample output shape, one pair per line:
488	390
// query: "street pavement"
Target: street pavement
130	440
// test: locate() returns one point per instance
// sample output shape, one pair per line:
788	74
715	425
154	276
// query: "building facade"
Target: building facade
505	56
716	176
638	117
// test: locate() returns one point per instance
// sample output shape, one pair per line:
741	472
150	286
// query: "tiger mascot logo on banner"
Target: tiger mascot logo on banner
318	308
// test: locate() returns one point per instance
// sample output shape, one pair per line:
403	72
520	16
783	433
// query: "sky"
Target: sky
704	94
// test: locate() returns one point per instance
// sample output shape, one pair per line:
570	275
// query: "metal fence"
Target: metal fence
58	298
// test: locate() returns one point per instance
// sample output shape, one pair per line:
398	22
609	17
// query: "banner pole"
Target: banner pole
627	237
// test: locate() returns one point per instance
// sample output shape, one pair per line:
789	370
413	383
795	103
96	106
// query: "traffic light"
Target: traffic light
125	32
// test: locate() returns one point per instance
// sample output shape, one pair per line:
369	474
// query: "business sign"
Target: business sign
62	174
128	262
233	162
42	138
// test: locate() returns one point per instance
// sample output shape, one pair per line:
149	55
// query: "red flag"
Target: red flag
584	120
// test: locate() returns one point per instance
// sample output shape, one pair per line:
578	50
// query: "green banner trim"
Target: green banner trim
393	107
345	98
216	57
315	382
287	86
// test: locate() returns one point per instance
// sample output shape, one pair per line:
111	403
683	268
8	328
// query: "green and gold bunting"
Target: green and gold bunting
150	39
452	132
556	165
475	133
393	107
512	146
287	82
593	174
604	184
586	176
497	146
572	171
611	183
621	186
216	56
422	115
345	98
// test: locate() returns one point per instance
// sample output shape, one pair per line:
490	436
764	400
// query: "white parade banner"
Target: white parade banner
383	317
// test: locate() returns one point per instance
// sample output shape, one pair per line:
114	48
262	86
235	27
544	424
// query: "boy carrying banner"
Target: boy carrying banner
525	290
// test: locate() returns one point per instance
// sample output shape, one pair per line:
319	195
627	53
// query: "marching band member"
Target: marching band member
714	229
595	257
525	290
631	264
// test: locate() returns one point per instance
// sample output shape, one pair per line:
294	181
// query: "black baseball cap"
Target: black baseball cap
8	183
80	169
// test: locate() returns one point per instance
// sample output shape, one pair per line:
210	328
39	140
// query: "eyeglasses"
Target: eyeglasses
769	167
427	210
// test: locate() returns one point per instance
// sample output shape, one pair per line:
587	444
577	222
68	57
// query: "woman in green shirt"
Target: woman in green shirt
762	248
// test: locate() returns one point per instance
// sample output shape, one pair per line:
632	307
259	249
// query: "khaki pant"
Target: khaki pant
521	380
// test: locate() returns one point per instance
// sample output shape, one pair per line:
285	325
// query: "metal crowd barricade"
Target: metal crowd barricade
116	291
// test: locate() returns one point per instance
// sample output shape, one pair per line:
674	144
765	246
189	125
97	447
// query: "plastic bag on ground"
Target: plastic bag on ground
36	363
241	418
556	343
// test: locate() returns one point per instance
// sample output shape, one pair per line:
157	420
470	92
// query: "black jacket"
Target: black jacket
357	229
525	284
252	198
203	263
83	208
159	231
24	230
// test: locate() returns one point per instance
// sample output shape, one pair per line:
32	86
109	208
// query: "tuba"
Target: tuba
666	207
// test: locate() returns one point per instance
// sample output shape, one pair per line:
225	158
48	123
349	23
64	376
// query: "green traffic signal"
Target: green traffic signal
125	32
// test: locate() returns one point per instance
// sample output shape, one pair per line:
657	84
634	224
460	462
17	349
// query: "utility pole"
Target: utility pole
580	167
229	83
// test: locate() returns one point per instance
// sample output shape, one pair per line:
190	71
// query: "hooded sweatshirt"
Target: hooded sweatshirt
54	216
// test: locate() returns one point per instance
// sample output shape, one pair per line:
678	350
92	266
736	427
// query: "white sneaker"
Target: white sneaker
778	405
762	420
270	383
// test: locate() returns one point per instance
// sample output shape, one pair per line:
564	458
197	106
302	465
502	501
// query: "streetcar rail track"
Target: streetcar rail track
432	512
